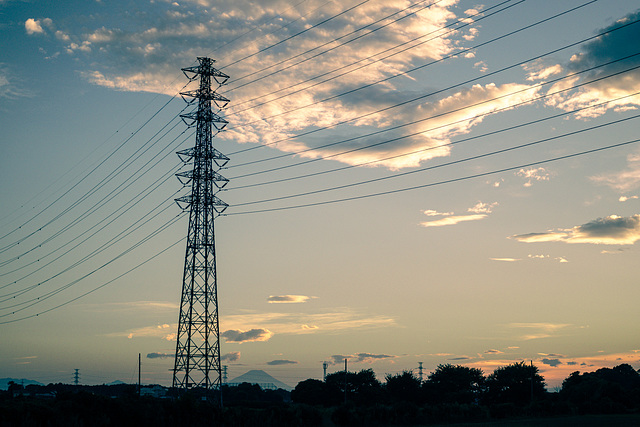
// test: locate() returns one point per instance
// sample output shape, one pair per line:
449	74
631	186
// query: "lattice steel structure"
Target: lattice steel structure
197	363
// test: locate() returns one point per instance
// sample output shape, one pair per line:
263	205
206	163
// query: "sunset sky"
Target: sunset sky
438	181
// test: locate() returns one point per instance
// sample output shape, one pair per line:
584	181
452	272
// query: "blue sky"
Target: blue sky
410	181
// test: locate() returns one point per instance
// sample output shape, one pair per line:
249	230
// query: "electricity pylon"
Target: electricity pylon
197	363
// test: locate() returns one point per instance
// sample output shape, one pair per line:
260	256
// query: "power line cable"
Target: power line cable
448	181
295	35
455	162
555	116
405	73
232	88
420	97
369	59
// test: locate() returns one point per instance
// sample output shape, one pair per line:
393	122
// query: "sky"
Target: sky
414	181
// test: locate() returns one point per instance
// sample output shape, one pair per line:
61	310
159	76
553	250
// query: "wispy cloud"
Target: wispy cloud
431	212
505	259
452	220
610	230
607	48
624	180
252	335
483	208
538	330
337	359
287	299
533	174
160	355
232	356
279	362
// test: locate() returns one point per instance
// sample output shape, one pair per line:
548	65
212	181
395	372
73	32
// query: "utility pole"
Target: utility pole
345	380
139	368
197	363
76	377
324	368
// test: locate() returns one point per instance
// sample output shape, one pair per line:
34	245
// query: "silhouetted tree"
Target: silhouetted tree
403	387
362	387
455	384
515	383
607	390
314	392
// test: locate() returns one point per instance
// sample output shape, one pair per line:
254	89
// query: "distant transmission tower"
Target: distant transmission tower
197	363
76	377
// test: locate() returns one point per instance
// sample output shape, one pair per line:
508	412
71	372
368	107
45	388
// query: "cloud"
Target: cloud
10	88
461	358
33	26
253	335
493	351
232	356
624	180
610	230
279	362
159	331
505	259
147	56
483	208
533	174
332	322
607	48
337	359
160	355
626	198
551	362
539	330
431	212
452	220
287	299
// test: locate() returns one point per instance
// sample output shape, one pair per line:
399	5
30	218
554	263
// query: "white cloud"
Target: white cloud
626	198
485	208
607	48
33	26
610	230
533	174
452	220
505	259
431	212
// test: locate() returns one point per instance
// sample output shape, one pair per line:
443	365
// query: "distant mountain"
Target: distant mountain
116	382
259	377
4	382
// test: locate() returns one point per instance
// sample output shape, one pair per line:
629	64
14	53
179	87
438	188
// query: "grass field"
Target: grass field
575	421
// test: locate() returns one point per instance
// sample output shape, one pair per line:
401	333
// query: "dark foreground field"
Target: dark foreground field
575	421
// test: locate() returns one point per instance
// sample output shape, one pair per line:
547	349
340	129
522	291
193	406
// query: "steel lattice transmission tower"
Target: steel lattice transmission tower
197	363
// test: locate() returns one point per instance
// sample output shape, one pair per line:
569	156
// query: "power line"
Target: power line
455	162
318	129
448	181
437	116
404	73
555	116
296	34
369	59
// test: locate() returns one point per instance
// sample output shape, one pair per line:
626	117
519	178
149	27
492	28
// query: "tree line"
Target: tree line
451	393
